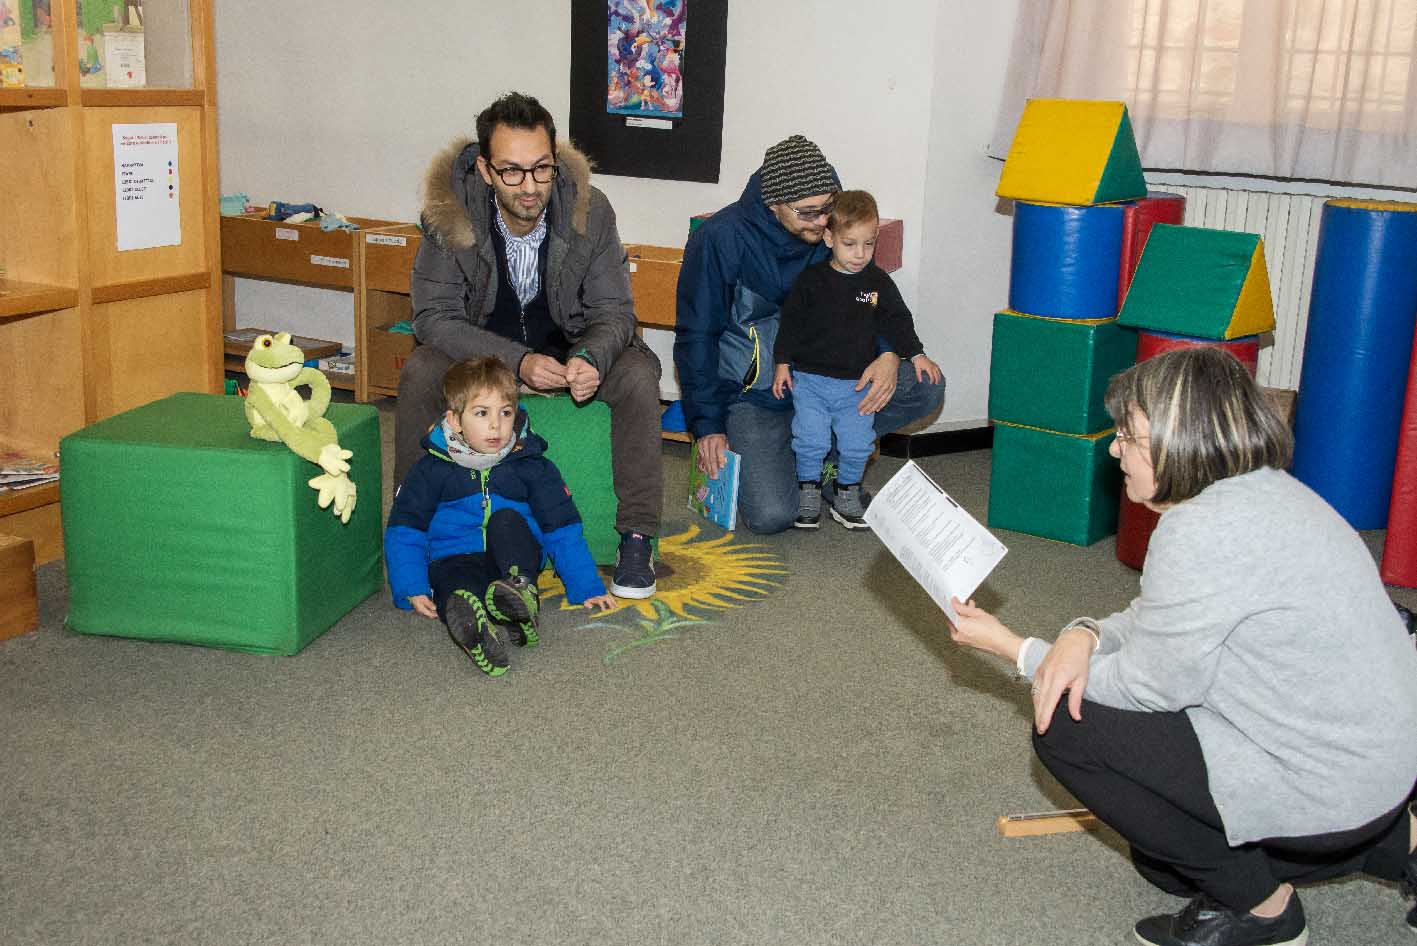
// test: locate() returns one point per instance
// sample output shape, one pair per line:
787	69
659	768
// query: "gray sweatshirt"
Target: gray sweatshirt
1262	616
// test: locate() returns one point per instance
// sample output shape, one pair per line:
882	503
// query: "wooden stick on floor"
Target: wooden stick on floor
1047	822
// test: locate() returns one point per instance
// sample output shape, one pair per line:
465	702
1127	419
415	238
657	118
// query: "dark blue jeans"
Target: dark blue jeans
762	438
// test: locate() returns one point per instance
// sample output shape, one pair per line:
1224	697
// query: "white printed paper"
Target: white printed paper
123	60
145	177
943	547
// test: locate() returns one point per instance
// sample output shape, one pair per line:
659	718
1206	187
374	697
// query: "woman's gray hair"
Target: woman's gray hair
1208	418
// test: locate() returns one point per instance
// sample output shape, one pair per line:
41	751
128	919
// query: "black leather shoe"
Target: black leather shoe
1409	880
1206	923
634	567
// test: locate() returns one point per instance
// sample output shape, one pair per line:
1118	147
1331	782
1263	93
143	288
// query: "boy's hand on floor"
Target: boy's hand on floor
600	603
424	605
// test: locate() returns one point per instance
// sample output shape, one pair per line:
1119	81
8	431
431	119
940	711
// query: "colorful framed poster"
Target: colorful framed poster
647	86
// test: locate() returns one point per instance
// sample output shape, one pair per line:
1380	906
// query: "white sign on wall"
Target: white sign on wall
145	177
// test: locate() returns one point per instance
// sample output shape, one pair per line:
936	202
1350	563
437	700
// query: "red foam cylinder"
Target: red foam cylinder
1135	522
1246	350
1400	549
1156	207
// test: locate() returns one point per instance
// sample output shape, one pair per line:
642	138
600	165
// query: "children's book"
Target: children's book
716	499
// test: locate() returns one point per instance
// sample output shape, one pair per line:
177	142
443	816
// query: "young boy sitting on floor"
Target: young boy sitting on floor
831	322
469	525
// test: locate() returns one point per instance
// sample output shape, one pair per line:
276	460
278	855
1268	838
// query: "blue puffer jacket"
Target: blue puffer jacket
738	266
442	510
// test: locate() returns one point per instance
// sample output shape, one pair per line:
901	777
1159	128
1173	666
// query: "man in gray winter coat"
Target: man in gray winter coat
521	260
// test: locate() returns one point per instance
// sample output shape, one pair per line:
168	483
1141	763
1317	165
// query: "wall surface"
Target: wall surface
349	105
967	230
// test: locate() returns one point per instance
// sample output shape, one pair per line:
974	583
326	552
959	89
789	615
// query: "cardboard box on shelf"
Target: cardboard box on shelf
654	276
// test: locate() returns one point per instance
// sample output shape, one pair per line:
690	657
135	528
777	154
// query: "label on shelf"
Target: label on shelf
285	233
386	239
334	261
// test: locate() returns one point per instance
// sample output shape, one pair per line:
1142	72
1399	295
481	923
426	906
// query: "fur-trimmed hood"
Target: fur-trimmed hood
455	196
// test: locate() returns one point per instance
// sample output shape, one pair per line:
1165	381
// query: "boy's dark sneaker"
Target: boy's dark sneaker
848	509
515	602
471	629
1204	922
634	567
809	504
830	486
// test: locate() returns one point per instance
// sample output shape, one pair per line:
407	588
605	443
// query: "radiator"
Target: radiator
1289	225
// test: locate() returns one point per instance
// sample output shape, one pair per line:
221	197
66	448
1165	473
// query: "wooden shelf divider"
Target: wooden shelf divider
140	98
27	298
33	98
22	500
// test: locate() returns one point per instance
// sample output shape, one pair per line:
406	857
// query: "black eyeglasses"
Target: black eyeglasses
813	213
512	176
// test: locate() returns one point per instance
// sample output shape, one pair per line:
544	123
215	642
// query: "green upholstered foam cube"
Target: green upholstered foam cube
1053	373
578	442
1059	486
178	526
1200	282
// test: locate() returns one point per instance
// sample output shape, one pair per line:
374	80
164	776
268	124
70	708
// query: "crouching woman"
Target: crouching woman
1249	722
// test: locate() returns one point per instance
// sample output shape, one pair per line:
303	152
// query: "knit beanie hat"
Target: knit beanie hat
794	168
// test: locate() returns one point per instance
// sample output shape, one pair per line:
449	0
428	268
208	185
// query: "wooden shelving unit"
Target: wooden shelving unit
87	330
381	301
296	253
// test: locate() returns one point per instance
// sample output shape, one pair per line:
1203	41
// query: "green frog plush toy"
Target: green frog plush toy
276	412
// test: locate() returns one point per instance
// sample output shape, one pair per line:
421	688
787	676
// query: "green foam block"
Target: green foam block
1200	282
578	442
178	526
1053	373
1053	485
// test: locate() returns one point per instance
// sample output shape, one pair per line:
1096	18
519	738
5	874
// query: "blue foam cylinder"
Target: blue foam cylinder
1356	352
1066	260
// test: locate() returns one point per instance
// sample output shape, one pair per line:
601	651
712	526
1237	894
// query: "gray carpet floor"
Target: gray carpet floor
815	764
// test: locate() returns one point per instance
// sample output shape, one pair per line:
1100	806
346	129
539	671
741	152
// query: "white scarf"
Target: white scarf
465	456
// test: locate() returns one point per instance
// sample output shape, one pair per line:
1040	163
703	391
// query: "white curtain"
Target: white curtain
1310	89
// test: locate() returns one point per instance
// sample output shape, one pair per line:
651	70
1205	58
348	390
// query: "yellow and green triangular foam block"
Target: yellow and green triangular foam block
1073	151
1199	282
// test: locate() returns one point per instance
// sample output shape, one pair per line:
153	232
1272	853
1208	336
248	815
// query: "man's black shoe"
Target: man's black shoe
1409	880
634	567
1205	922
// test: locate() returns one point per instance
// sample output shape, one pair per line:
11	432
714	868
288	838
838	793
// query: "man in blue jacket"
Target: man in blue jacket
738	267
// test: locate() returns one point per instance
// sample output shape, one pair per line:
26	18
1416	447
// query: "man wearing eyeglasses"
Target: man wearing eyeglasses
738	266
521	260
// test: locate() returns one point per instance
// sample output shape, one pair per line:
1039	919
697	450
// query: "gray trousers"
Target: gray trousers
631	390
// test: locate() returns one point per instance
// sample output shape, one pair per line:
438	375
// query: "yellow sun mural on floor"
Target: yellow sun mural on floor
691	576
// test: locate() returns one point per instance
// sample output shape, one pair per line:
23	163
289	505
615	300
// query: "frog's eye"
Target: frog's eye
266	341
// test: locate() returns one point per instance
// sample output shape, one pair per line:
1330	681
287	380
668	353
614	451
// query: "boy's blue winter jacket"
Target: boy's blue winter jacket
442	510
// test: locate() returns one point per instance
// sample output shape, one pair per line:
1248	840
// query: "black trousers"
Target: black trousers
1143	775
509	542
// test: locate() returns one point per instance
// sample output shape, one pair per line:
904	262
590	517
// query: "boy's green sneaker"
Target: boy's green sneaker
473	631
515	601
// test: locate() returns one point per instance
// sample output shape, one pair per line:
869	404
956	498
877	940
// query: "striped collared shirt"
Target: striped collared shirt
524	257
